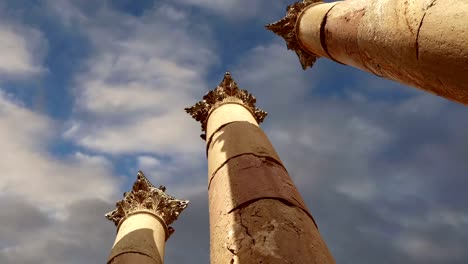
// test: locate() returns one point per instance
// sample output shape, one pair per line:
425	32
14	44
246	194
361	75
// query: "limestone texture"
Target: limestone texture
421	43
267	231
256	213
143	219
133	258
143	234
235	139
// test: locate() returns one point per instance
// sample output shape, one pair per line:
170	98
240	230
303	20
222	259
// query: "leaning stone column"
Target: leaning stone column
422	43
256	212
142	219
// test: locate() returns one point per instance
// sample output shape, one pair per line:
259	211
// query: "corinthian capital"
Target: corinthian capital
226	91
145	197
286	28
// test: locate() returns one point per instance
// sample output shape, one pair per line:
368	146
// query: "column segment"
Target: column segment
422	43
256	213
142	219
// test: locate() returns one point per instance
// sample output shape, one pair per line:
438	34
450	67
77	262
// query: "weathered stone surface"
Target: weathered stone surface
267	231
143	218
229	113
133	258
347	16
256	213
141	233
443	48
248	178
236	139
422	43
310	29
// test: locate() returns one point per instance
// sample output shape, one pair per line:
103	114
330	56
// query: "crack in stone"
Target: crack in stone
416	45
323	34
234	253
115	261
245	227
286	202
293	226
265	159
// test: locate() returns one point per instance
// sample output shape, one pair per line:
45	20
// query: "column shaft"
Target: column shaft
140	239
422	43
256	213
142	218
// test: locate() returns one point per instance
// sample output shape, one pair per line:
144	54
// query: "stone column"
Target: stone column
422	43
256	212
142	219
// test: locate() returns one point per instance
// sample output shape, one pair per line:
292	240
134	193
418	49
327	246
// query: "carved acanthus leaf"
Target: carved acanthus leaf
226	91
286	28
144	196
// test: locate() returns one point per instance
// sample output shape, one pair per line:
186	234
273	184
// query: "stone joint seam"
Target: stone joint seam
416	44
296	28
286	202
225	103
208	142
268	158
323	41
126	252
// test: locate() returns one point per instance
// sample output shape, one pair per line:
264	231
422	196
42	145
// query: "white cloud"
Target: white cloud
421	249
142	73
132	91
359	162
271	73
21	51
46	198
239	9
84	237
148	162
183	175
31	173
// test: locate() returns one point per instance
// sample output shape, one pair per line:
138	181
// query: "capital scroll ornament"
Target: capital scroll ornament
144	196
286	28
226	91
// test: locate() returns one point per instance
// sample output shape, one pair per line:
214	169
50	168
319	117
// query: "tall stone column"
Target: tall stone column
142	219
256	212
422	43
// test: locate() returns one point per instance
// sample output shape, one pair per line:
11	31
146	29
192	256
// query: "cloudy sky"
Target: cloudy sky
92	91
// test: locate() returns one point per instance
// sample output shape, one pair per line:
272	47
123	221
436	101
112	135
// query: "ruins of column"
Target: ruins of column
142	219
256	212
422	43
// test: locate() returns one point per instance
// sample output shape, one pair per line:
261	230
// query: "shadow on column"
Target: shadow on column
137	247
257	213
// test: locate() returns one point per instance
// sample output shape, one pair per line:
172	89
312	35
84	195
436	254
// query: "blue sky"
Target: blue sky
90	92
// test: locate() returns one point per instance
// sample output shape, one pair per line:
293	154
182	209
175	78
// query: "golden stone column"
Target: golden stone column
422	43
256	212
142	219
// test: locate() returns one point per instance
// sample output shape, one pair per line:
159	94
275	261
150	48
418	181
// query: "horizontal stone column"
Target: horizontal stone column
422	43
